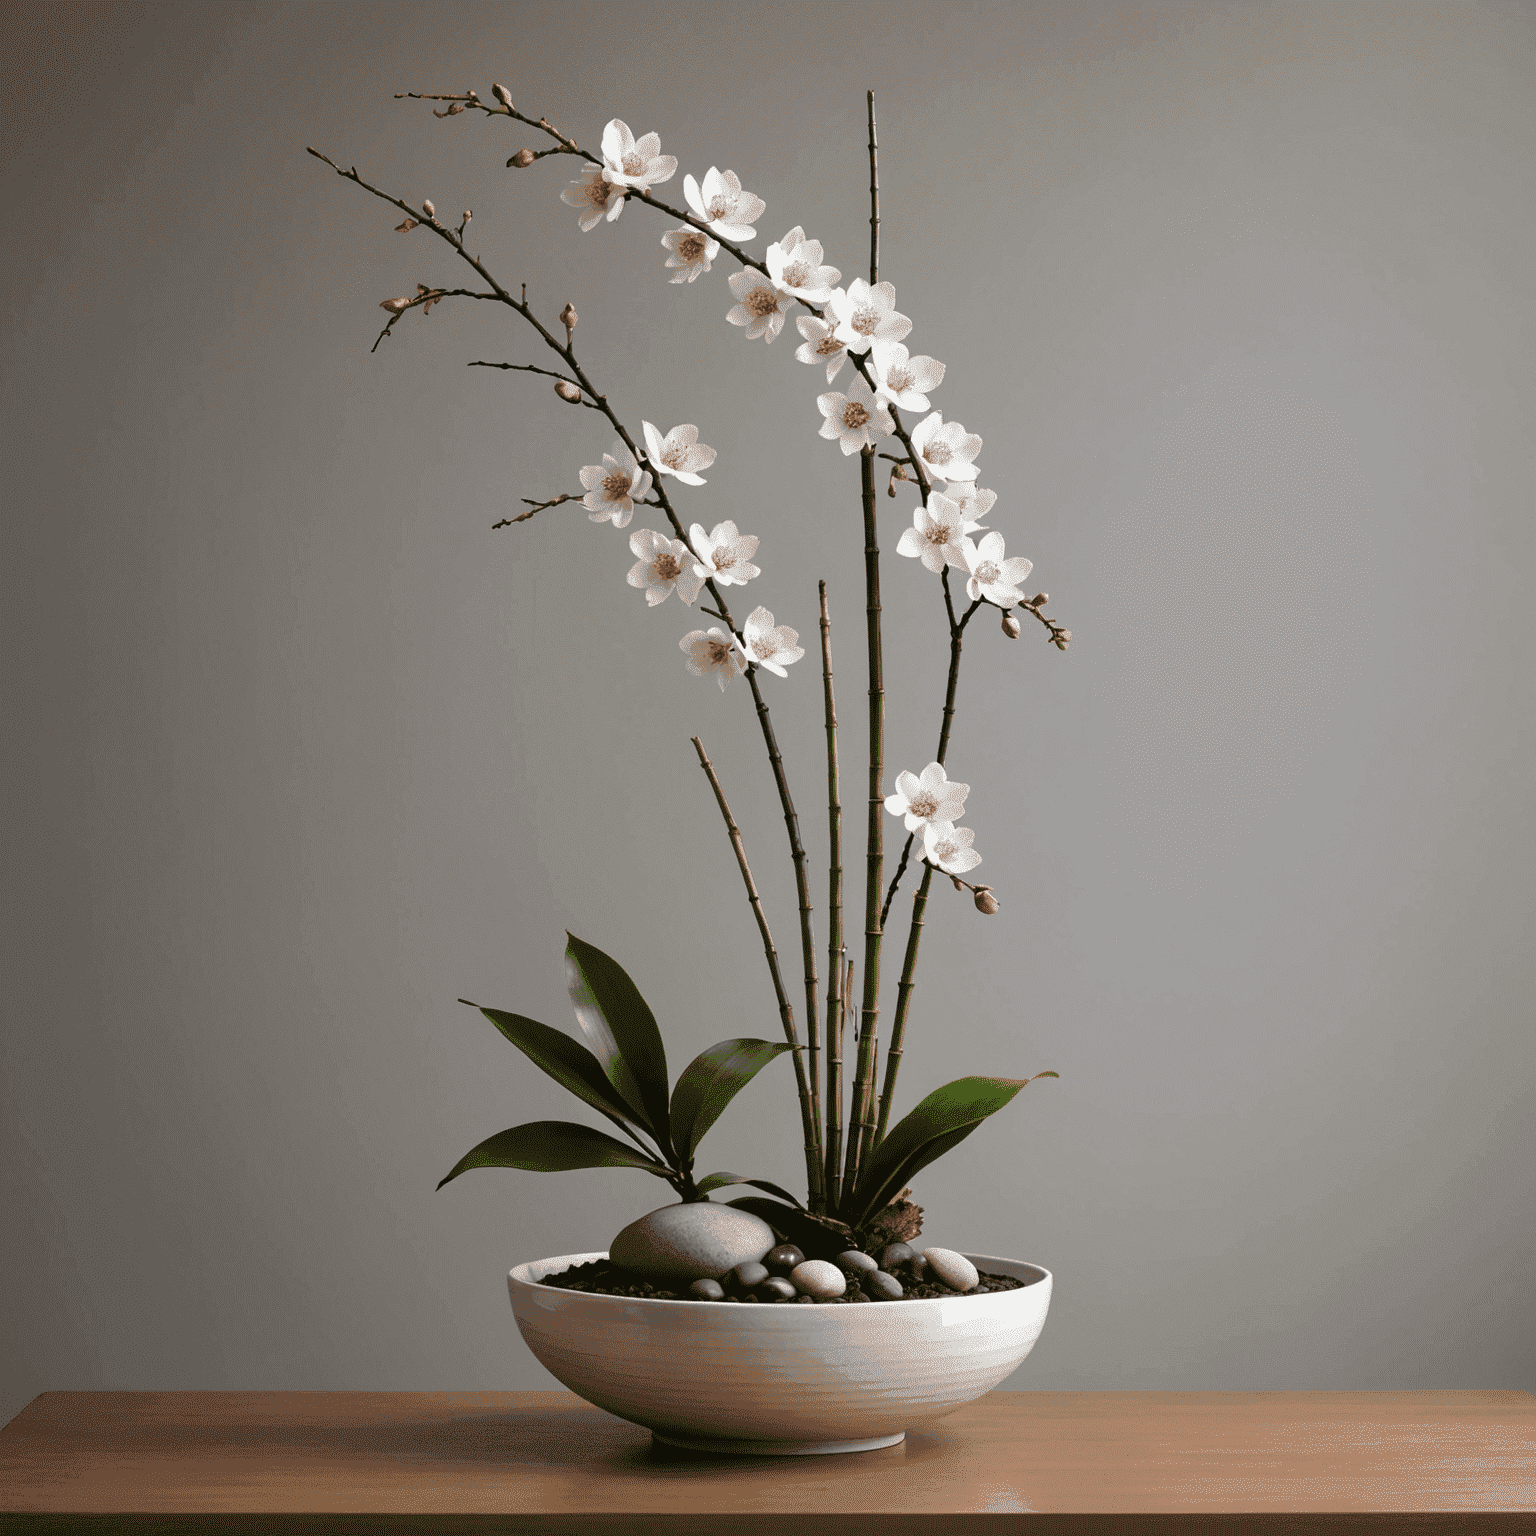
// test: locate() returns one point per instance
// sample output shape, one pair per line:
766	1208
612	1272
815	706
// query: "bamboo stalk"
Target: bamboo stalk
833	1138
862	1123
786	1010
802	884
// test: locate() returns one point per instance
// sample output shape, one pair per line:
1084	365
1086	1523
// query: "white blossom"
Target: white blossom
722	204
613	486
820	345
767	646
794	263
665	565
595	196
854	418
713	650
974	504
691	250
904	380
935	534
725	553
867	314
945	451
949	847
928	796
632	162
991	576
761	304
679	453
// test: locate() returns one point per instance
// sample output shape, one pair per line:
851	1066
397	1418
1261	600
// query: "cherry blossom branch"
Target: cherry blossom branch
549	373
533	506
786	1009
424	300
836	1001
907	982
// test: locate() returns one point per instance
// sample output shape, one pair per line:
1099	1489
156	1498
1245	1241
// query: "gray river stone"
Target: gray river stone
695	1240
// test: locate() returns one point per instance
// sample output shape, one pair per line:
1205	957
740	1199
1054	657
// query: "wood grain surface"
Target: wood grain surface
1034	1462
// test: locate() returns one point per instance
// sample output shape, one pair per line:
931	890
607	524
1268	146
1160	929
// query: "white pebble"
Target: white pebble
954	1269
816	1277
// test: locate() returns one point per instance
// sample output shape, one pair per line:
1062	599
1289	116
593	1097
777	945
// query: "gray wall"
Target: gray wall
300	750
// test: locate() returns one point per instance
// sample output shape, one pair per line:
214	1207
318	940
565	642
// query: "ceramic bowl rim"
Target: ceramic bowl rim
519	1275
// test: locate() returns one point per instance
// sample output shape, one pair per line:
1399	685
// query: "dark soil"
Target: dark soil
600	1278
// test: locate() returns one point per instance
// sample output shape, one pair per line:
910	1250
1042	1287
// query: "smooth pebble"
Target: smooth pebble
694	1240
897	1253
816	1277
885	1286
853	1259
954	1269
745	1276
709	1290
784	1258
778	1286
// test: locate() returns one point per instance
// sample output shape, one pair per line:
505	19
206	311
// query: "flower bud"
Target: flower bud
1039	600
1062	639
395	306
523	159
567	391
428	209
986	902
503	95
1010	626
569	317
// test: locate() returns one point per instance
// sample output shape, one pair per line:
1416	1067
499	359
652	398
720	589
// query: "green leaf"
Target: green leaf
944	1119
720	1180
868	1204
816	1236
622	1032
568	1061
551	1146
712	1079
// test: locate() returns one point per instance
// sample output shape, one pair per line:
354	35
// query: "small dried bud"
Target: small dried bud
523	159
986	902
406	228
569	317
396	306
567	391
1010	626
428	209
1039	600
1062	639
469	213
503	95
453	110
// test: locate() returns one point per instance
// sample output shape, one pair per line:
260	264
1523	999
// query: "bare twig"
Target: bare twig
533	506
786	1009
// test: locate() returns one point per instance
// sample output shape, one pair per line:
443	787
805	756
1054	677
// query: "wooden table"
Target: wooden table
1036	1462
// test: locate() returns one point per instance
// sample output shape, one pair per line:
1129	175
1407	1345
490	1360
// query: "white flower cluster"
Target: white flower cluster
932	803
860	319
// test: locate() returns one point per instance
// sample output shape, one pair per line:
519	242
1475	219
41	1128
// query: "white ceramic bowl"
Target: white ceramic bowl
779	1380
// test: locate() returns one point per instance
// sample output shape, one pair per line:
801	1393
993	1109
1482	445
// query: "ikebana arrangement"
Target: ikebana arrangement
851	1238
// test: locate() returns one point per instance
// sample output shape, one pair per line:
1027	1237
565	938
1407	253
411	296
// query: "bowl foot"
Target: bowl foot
777	1447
